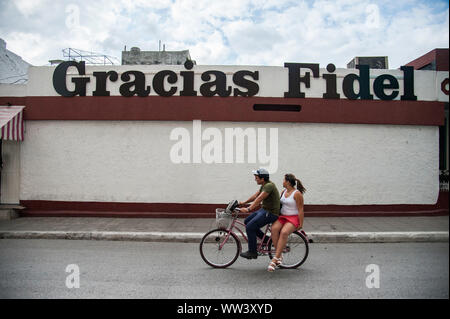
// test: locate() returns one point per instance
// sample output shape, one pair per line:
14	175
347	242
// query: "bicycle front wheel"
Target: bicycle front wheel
220	248
295	252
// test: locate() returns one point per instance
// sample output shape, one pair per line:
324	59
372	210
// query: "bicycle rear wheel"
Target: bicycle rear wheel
218	249
295	252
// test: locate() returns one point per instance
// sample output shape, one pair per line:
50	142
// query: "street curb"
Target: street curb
378	237
191	237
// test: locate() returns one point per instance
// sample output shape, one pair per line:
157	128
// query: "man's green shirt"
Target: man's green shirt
272	202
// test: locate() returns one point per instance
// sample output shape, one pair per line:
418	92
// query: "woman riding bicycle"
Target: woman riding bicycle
290	219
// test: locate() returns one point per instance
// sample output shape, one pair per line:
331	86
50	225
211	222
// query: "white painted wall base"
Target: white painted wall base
129	161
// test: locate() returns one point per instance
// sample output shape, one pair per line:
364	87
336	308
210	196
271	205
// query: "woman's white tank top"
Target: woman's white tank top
289	205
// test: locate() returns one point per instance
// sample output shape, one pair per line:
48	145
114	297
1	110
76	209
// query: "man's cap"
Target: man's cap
261	171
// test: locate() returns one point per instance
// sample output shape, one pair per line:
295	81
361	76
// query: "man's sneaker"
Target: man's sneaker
249	255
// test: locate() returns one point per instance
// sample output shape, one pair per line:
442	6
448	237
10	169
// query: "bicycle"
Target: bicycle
221	247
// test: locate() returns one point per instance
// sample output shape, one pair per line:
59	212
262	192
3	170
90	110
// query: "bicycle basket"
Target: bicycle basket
223	219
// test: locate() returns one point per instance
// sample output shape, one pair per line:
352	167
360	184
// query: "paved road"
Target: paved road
37	269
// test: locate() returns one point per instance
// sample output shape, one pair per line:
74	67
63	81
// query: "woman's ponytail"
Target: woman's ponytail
300	186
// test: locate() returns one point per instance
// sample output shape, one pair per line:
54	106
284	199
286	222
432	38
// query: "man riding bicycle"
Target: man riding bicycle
269	197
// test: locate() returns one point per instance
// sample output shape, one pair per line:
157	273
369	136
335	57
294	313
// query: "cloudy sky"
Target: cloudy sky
242	32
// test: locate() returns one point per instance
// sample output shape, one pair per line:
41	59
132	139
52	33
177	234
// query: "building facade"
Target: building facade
179	140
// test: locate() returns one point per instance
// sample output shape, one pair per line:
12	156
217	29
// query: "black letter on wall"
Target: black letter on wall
220	84
138	83
188	80
59	79
364	84
101	78
379	86
239	79
295	79
330	79
408	83
158	82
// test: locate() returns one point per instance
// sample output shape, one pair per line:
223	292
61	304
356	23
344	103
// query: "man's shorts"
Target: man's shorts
283	219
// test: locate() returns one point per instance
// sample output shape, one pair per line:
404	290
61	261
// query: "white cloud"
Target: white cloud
30	46
211	51
232	31
29	7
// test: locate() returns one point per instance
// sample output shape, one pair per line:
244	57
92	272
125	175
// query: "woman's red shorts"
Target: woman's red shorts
289	219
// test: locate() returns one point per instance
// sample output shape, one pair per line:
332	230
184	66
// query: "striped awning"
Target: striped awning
11	122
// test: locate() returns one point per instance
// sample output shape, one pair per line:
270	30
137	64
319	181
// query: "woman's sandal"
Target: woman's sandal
274	264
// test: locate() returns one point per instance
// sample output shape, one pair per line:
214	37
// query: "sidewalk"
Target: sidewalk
319	229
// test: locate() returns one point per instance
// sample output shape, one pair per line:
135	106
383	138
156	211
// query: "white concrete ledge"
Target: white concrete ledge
316	237
378	237
8	214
